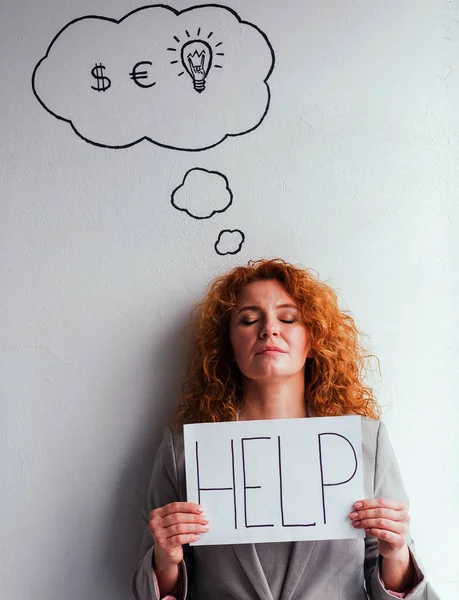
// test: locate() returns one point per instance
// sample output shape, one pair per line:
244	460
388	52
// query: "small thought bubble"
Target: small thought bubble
202	194
229	241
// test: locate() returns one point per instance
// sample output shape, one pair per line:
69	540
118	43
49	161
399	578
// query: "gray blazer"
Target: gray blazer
317	570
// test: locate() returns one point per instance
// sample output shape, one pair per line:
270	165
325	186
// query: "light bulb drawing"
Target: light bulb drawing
197	56
197	60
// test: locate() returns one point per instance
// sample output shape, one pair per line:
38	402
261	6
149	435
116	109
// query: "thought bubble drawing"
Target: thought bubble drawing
229	241
202	194
181	79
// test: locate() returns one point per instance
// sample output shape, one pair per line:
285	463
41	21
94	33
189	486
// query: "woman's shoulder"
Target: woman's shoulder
376	441
371	431
371	426
172	443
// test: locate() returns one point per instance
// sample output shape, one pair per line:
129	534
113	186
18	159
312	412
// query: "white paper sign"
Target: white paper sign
275	480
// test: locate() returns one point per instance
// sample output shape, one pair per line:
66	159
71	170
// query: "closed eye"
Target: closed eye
256	320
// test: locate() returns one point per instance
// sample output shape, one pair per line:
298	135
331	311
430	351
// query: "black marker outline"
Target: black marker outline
209	49
282	496
214	212
234	484
229	231
250	487
176	12
224	489
141	75
324	485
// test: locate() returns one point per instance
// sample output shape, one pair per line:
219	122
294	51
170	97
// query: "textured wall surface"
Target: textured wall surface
353	171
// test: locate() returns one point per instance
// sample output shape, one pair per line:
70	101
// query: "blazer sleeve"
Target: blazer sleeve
166	485
388	484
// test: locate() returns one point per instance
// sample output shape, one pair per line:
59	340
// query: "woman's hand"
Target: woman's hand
172	526
387	521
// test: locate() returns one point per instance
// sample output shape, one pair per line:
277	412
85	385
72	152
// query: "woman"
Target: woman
272	343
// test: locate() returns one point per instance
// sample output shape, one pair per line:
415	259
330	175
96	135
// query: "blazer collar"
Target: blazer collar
250	563
296	566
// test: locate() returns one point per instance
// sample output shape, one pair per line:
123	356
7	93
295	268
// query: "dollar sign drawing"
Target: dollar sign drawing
103	83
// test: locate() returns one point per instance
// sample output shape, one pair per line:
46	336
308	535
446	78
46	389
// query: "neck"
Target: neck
274	399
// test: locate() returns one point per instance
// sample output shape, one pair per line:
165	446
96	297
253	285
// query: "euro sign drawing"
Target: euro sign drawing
137	75
103	83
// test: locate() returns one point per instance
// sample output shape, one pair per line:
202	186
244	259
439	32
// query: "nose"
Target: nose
269	329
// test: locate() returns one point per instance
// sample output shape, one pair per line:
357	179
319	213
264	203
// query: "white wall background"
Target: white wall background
354	172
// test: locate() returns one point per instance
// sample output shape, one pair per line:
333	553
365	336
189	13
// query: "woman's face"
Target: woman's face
268	337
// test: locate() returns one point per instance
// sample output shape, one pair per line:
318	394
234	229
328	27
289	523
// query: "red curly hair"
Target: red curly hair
212	391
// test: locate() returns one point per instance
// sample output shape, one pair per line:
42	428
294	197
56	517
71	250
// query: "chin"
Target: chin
268	374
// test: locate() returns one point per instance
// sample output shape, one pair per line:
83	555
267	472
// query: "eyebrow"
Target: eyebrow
255	307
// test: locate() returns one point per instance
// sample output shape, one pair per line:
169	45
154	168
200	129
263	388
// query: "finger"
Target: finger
383	525
386	536
379	503
175	518
159	530
170	544
184	528
185	538
178	507
380	513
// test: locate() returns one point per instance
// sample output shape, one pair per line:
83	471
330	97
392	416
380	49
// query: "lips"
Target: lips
272	349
